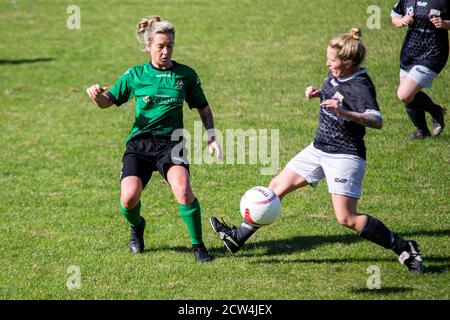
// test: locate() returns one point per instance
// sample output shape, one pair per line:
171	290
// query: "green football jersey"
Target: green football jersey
159	96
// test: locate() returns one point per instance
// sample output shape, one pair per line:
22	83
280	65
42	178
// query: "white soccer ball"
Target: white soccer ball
260	206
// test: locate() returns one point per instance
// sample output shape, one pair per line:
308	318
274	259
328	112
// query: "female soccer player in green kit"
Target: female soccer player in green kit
159	87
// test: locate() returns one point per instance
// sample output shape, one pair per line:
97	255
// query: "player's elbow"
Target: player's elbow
373	119
378	125
104	102
104	106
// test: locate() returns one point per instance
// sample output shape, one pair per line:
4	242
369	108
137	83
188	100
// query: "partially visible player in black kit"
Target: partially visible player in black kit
423	56
338	153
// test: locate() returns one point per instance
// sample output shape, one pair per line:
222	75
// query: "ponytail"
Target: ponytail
350	47
149	26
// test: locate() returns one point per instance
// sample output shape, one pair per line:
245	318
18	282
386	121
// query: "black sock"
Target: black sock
427	104
244	232
376	232
417	117
399	244
421	103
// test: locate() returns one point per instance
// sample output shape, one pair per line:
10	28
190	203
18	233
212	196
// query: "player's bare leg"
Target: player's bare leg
374	230
287	181
346	214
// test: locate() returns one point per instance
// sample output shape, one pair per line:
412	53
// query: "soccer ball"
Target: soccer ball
260	206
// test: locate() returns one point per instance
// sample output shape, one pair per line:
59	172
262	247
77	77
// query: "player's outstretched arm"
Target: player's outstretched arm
95	92
208	122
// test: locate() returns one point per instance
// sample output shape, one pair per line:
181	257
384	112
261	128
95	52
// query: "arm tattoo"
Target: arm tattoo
372	120
207	117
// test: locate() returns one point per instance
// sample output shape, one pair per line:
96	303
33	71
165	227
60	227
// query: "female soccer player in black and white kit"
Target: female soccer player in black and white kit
338	153
423	56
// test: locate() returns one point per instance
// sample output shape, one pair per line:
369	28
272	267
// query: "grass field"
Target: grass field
60	157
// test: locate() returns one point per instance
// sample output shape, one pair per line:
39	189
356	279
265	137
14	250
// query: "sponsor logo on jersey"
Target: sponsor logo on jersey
422	3
157	99
330	114
435	13
180	84
163	75
338	96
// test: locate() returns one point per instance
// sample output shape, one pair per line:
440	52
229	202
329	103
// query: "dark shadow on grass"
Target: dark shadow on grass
305	243
382	290
429	233
433	267
24	61
177	249
216	252
436	269
297	244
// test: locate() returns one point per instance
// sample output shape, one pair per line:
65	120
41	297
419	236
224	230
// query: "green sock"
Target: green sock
133	216
191	215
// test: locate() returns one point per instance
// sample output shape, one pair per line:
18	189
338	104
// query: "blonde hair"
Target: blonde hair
148	27
350	47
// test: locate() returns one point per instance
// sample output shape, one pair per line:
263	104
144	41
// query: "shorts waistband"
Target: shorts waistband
151	136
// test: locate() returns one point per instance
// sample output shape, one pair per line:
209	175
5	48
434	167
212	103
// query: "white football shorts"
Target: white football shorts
344	173
421	75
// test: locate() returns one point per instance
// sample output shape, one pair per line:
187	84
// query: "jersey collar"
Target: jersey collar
357	73
174	64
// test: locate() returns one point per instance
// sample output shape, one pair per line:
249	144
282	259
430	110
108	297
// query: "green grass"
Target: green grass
60	157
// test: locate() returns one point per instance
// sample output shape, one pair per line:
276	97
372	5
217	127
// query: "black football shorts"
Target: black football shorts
146	154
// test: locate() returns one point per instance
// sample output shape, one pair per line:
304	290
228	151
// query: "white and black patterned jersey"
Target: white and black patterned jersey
337	134
424	44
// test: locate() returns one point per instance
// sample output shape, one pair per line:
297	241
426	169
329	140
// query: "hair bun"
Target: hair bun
143	24
147	22
356	33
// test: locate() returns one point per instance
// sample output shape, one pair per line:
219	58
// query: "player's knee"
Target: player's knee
183	193
129	199
405	97
273	184
346	221
277	186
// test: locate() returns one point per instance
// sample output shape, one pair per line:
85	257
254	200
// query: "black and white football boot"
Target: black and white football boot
226	233
411	257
